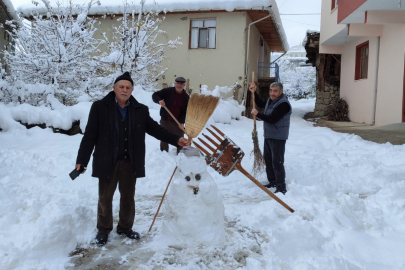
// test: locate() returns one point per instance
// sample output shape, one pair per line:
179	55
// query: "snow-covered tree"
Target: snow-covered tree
299	81
55	47
134	47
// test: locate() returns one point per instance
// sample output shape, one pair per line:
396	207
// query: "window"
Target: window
362	52
203	34
334	3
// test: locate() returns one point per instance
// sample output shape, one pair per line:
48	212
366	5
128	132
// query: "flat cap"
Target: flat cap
180	80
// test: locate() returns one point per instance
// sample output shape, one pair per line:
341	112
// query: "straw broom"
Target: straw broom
199	110
258	164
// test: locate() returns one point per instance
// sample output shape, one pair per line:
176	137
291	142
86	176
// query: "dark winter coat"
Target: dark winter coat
101	136
167	94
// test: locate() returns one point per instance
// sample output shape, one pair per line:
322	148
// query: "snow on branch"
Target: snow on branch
56	47
134	46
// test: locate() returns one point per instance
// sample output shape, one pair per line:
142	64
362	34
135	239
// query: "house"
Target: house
7	12
370	37
223	41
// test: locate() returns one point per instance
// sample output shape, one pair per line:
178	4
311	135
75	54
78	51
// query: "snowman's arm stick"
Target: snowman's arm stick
164	194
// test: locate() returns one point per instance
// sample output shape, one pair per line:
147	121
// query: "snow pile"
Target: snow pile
193	208
54	114
228	108
347	194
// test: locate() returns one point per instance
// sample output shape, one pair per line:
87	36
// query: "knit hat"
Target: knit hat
126	76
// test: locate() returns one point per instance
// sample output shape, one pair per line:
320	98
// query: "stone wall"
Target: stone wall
327	74
324	99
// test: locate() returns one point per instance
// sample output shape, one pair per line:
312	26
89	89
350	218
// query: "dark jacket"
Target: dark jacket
276	117
101	136
167	94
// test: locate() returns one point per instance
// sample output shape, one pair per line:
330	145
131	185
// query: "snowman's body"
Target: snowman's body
194	212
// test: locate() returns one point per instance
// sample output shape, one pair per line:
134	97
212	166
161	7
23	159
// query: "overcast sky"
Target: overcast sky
295	26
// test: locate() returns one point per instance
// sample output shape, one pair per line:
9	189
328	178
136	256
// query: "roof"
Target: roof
7	11
271	28
298	48
117	7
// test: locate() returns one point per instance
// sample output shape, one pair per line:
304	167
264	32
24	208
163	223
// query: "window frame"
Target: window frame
359	58
334	4
190	33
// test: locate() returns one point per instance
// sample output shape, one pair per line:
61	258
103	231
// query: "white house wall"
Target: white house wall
329	26
391	75
358	93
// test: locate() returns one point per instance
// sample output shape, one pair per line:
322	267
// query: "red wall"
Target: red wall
346	7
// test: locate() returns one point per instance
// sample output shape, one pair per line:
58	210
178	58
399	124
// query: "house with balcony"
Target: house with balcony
223	41
369	35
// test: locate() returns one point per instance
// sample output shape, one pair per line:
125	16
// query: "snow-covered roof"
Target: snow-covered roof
26	7
9	9
117	7
298	48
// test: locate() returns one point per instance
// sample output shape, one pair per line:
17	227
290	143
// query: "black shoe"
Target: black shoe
270	185
281	189
101	239
129	233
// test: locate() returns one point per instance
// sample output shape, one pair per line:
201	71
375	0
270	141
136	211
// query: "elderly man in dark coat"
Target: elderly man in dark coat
116	130
176	100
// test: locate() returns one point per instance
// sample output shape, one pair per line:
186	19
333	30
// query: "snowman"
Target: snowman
193	208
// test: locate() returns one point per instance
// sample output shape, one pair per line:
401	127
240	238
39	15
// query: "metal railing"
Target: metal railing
268	70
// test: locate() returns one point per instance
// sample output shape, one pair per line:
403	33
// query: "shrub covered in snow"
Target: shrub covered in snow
133	47
56	47
299	81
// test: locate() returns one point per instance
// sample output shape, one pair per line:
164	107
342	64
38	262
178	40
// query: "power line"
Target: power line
303	14
282	4
301	22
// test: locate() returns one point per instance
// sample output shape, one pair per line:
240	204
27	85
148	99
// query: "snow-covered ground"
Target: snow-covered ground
347	193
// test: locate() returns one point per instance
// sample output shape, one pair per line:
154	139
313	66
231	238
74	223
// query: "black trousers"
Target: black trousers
174	128
123	176
274	157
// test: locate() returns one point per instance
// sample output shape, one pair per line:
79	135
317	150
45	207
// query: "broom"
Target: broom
199	110
258	164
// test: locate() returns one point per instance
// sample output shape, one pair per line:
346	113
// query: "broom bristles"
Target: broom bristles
199	110
259	164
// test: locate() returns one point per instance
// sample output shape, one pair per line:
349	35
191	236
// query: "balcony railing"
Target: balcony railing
268	70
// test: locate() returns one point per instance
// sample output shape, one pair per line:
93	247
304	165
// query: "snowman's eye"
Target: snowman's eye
197	177
188	178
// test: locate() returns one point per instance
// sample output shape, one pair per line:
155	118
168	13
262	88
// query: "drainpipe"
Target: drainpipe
247	54
376	82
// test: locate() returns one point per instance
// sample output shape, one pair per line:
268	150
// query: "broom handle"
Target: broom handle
161	201
253	100
174	118
240	168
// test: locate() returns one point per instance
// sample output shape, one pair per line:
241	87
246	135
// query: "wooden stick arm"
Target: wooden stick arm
240	168
161	201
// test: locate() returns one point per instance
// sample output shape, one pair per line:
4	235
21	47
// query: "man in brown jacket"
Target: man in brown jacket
176	100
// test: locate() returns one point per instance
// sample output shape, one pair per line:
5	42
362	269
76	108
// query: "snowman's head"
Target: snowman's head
192	167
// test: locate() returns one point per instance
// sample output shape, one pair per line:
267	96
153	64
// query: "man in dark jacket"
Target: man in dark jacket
116	130
276	117
176	100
